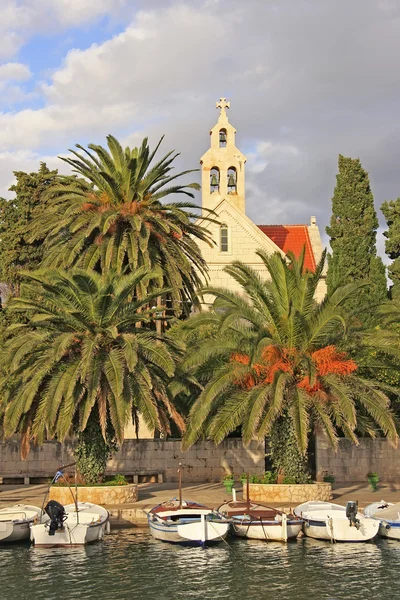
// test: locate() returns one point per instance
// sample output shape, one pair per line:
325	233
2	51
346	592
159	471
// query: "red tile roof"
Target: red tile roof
292	237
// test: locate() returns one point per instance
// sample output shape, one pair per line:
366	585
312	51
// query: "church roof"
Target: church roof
292	237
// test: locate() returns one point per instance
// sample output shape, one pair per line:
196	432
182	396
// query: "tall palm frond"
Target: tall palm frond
276	355
112	216
88	345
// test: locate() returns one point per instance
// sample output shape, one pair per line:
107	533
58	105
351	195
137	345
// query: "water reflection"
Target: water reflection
131	565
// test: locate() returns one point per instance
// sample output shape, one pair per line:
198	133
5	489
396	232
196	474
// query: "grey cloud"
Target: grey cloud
316	75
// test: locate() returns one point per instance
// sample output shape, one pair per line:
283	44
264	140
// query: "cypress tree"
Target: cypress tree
352	234
391	211
16	252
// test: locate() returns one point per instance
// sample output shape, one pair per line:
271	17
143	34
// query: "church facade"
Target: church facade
236	237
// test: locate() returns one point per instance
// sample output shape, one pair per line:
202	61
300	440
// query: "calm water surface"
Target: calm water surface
131	565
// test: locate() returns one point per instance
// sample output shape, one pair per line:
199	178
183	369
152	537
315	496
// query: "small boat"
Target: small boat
183	522
327	521
260	522
70	525
16	520
187	522
388	516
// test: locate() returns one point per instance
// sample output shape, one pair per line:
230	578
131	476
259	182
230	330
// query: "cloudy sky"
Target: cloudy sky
307	80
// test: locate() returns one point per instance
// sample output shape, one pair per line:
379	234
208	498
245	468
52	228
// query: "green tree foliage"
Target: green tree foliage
113	217
16	216
352	234
276	355
92	450
88	346
185	386
391	211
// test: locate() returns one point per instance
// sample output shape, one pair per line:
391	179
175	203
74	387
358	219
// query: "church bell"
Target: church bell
222	137
214	181
231	181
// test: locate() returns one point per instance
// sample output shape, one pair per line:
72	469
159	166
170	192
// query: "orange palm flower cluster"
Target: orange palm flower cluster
327	361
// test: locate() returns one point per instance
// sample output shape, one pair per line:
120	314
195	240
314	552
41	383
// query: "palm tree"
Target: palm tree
275	368
82	362
113	216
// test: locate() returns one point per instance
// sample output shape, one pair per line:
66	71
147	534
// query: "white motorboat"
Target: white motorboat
388	516
70	525
16	520
260	522
328	521
187	522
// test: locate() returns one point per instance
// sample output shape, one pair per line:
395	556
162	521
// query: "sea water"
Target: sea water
130	565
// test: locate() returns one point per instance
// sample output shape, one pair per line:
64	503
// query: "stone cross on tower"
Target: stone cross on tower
223	104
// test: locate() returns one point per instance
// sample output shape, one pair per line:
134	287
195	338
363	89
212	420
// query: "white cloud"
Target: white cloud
20	19
13	71
68	13
11	42
304	80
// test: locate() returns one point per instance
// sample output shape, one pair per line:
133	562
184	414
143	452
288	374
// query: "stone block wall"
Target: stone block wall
203	462
42	460
351	463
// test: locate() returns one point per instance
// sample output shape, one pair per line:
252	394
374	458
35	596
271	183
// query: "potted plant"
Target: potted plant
373	479
243	479
229	482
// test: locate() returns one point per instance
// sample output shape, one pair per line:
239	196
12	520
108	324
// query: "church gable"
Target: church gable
244	238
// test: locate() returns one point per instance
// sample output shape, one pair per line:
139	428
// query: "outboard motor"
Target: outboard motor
351	514
57	515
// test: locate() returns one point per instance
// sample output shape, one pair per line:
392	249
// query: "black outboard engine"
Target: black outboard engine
57	515
351	514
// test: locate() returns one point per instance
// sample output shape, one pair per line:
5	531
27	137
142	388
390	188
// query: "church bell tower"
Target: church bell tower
222	166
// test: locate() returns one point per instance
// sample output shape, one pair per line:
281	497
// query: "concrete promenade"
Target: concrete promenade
210	494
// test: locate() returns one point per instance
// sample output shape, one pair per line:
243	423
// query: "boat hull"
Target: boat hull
266	530
260	522
388	516
390	531
339	530
189	523
77	535
189	533
328	521
13	532
86	526
15	522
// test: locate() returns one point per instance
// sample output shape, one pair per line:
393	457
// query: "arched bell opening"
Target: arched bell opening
224	238
232	180
223	138
214	180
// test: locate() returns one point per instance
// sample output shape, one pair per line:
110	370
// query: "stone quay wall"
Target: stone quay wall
203	462
293	494
350	464
102	494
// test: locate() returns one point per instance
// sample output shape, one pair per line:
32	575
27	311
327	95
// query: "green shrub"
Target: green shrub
269	477
328	477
